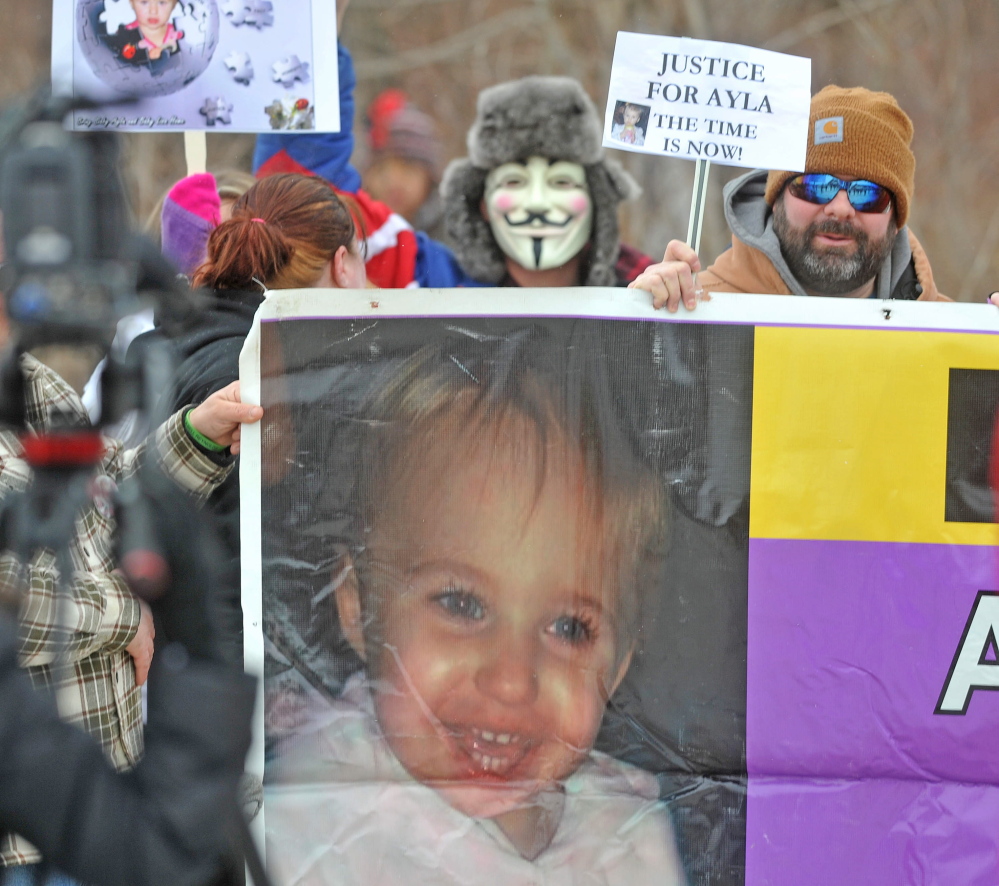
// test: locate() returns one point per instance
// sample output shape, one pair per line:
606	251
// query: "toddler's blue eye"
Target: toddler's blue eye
461	604
571	629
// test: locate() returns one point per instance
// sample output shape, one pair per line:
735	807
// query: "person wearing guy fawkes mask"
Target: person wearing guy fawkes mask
549	118
535	202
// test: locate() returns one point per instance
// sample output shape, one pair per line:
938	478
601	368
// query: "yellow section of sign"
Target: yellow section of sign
850	434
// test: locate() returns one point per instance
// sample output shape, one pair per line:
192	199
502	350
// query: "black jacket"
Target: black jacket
208	360
209	354
164	822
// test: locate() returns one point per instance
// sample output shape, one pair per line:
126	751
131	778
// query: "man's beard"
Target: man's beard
831	271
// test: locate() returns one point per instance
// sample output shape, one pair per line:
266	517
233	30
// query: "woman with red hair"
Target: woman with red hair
286	232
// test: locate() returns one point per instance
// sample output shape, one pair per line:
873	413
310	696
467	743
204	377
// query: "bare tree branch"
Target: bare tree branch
855	15
823	21
972	281
454	46
557	46
697	18
398	4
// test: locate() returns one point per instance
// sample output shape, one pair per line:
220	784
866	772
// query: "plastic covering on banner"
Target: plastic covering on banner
521	625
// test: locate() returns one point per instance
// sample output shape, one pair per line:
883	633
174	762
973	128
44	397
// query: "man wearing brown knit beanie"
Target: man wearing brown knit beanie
838	229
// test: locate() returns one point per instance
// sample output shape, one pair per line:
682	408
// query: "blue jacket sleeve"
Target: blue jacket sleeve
437	267
323	153
328	154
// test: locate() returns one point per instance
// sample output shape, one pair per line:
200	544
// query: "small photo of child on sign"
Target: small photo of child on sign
150	36
630	123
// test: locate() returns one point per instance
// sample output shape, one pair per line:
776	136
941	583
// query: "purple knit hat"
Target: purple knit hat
191	210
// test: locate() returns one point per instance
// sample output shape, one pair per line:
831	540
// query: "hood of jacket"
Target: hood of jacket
207	355
755	263
226	315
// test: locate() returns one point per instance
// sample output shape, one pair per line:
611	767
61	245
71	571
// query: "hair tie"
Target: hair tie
258	220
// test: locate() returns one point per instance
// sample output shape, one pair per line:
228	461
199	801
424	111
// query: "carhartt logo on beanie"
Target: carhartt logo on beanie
862	134
828	129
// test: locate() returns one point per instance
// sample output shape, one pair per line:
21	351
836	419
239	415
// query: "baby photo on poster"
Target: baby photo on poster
469	675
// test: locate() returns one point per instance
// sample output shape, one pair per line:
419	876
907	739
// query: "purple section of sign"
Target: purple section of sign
889	833
850	644
854	778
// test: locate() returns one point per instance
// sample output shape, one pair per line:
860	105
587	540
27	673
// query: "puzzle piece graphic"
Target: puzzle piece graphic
235	11
291	114
276	112
257	13
117	14
192	17
240	67
289	69
216	110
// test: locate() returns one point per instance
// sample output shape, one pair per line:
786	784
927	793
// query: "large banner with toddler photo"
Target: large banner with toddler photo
548	587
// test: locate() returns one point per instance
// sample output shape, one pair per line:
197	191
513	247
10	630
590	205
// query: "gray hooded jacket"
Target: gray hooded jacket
751	220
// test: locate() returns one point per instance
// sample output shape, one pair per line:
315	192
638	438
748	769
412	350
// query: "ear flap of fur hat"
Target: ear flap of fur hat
609	185
469	233
533	117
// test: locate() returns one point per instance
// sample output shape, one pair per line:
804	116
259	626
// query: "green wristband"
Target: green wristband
200	438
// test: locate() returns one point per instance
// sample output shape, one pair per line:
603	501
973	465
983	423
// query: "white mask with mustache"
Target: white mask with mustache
540	211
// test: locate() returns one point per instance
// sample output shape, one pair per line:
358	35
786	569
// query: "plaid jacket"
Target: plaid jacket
97	690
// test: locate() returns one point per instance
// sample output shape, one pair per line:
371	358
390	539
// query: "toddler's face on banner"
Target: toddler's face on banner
494	642
153	13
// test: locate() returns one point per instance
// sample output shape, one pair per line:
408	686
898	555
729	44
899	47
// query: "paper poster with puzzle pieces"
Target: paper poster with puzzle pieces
215	65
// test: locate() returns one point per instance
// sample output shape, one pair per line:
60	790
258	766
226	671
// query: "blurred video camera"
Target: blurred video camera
69	273
73	268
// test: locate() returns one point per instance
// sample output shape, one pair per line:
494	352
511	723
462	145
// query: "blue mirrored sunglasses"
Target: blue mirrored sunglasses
821	188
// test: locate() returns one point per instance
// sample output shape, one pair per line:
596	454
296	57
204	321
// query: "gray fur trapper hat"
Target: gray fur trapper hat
535	116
